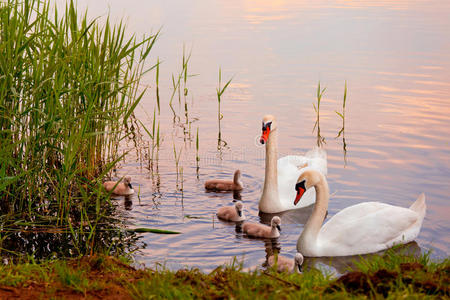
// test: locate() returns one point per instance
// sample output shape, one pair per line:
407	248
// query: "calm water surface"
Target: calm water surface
395	57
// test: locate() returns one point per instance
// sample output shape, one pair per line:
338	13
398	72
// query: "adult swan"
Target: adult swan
280	177
359	229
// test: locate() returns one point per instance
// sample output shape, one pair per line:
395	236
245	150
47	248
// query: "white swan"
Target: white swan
359	229
281	176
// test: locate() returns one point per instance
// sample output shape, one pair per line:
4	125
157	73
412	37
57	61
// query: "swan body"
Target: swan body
263	231
282	174
231	213
123	188
359	229
226	185
285	264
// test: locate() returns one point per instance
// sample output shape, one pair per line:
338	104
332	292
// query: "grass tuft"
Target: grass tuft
390	276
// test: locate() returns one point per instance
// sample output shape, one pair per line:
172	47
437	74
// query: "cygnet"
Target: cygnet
263	231
285	264
225	185
231	213
122	188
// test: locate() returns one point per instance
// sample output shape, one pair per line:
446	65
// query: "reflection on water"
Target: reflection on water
395	57
342	264
297	216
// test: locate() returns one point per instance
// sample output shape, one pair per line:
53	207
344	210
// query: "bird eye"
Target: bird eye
265	126
299	185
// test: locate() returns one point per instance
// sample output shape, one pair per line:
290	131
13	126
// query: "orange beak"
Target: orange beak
300	193
264	136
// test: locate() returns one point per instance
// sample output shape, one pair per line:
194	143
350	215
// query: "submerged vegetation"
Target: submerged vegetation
391	276
67	87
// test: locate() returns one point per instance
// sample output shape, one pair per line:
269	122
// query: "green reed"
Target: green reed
157	86
153	149
67	87
342	131
320	139
220	90
176	83
177	157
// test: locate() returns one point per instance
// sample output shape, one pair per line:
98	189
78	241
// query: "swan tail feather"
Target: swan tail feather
316	152
419	205
317	159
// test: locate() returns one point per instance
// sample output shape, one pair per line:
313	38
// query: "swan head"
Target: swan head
239	207
268	125
305	181
275	222
298	261
127	181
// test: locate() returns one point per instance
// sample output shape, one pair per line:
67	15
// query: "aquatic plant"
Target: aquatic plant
67	87
319	139
153	149
220	90
177	157
342	131
176	84
197	156
157	86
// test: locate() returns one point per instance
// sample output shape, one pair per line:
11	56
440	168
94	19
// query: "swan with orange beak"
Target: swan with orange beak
281	174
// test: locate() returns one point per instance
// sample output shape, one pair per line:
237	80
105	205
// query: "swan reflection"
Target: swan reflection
340	265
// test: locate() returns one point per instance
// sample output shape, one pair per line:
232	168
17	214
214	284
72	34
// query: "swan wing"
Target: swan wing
365	228
288	173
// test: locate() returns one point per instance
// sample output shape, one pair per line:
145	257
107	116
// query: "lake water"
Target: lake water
395	57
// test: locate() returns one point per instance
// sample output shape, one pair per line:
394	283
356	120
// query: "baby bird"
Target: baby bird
226	185
231	213
285	264
263	231
122	188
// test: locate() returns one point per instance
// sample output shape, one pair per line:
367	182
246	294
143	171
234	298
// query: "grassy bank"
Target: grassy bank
391	276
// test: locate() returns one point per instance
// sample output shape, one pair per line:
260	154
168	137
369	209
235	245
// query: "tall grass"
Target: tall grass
67	86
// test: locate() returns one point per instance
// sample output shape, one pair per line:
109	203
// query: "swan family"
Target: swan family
293	182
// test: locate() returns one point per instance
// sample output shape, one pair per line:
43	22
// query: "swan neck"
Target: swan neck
274	231
272	154
237	180
315	221
236	177
270	196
